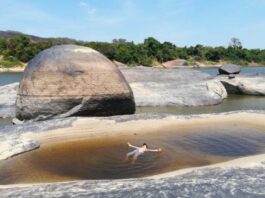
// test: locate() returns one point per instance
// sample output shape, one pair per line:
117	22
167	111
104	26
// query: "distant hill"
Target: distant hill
13	34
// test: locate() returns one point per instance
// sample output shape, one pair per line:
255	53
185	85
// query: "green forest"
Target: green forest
21	49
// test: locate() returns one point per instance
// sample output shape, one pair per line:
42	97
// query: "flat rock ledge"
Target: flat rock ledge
15	147
173	87
244	84
14	139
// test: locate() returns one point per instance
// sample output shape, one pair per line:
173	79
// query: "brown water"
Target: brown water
105	159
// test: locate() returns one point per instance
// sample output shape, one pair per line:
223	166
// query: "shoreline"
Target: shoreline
242	162
12	70
21	69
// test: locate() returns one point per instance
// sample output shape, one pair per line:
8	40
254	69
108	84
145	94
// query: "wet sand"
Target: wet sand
89	128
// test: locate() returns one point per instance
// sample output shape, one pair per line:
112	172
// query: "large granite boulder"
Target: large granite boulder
71	80
244	84
173	87
230	69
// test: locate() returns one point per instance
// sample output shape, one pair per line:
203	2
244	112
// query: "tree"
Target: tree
2	45
212	55
119	41
153	46
105	48
168	51
235	43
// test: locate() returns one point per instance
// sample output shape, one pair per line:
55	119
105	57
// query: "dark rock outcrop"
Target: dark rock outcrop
230	69
71	80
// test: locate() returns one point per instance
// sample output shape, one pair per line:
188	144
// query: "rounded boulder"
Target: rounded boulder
71	80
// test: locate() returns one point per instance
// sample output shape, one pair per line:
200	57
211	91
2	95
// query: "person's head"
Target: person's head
144	144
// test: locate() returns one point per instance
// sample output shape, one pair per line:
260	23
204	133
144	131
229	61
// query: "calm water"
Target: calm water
244	70
7	78
105	159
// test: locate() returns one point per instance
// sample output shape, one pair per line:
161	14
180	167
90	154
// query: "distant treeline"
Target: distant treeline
150	52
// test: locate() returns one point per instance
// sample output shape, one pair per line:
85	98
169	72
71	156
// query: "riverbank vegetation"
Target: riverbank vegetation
151	52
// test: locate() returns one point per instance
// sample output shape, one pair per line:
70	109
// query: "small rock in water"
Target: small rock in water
230	69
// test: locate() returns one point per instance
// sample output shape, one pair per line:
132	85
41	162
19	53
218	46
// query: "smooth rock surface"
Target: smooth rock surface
14	140
230	69
15	147
173	87
246	182
72	80
244	84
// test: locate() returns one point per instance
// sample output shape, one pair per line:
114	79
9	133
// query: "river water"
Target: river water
244	70
9	77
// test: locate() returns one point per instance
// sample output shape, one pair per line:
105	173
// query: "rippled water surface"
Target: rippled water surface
105	159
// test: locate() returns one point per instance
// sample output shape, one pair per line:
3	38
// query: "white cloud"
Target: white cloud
88	9
84	4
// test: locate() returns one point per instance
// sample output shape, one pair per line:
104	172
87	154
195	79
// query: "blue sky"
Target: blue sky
183	22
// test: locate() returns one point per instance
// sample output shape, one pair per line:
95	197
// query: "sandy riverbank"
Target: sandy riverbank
84	128
12	69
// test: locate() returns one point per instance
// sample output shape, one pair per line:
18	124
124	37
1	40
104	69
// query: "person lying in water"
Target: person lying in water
139	151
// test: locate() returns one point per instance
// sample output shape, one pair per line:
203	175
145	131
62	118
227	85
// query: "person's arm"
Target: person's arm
154	150
130	145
